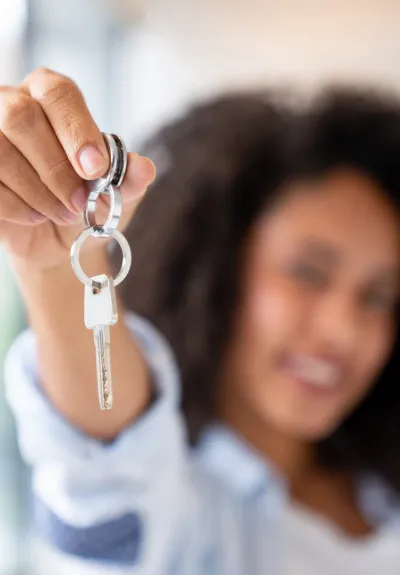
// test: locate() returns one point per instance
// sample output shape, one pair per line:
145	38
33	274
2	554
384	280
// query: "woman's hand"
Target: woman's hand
49	146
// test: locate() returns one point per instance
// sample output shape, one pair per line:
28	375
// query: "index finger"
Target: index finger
69	116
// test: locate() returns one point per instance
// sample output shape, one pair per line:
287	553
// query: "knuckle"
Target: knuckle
42	71
59	169
39	197
72	122
49	88
61	176
16	109
74	128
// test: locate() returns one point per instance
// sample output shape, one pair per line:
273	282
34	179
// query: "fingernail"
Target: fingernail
37	217
69	216
79	198
92	160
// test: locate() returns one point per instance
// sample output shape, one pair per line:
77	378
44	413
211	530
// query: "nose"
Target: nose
337	323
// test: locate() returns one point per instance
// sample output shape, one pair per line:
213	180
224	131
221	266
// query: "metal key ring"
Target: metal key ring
118	164
114	214
126	256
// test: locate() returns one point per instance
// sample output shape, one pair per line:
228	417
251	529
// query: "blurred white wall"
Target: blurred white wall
85	40
12	20
186	49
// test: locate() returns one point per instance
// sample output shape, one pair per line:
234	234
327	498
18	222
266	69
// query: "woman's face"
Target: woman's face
316	324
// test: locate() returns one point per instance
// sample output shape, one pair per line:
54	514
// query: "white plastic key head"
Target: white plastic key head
100	303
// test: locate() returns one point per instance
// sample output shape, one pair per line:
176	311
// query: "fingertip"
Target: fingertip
151	169
141	168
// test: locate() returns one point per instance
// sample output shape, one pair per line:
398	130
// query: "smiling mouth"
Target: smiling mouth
316	374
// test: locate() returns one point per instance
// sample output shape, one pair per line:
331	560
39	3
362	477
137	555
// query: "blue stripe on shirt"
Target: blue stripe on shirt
116	541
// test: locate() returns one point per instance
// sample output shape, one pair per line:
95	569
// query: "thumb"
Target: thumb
140	173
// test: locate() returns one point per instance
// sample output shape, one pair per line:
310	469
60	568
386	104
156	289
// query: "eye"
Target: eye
380	301
310	274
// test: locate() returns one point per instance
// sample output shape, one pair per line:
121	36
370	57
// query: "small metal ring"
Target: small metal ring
126	256
121	163
118	164
112	221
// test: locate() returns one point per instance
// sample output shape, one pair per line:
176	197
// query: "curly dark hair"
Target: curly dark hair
219	167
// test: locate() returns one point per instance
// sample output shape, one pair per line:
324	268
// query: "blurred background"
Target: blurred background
142	62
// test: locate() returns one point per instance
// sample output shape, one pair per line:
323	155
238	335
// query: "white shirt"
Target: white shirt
147	504
315	546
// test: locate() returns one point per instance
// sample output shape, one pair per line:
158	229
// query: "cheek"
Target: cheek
271	314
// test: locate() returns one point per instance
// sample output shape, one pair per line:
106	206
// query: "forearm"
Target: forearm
66	356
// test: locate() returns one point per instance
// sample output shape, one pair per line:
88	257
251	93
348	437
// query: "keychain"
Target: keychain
99	300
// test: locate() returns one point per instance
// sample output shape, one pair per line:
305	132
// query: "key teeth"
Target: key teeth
108	401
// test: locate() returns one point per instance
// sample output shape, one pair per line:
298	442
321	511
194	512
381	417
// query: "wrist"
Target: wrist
94	262
54	296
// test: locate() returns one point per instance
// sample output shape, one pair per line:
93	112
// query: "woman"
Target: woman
267	254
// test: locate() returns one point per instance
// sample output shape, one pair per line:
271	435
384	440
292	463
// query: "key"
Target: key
100	313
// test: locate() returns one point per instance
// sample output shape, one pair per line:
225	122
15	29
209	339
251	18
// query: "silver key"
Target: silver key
100	313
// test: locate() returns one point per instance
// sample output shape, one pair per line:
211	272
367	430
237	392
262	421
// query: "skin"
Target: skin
44	128
321	279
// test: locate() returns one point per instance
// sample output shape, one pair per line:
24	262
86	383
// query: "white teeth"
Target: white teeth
315	371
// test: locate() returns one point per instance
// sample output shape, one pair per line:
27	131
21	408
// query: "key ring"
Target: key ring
108	184
114	214
76	264
118	163
100	302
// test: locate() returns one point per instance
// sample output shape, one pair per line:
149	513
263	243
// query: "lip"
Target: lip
309	386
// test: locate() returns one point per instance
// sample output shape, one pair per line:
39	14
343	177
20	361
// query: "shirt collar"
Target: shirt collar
236	462
228	456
